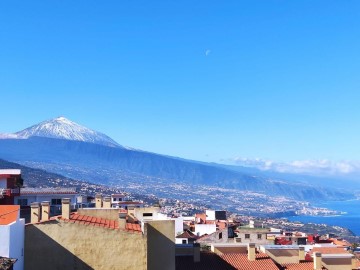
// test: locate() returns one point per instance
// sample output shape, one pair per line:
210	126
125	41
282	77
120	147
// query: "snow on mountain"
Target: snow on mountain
8	136
62	128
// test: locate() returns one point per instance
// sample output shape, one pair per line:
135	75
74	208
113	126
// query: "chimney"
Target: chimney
98	201
317	261
107	202
45	210
65	208
301	254
251	252
122	219
196	247
354	262
35	212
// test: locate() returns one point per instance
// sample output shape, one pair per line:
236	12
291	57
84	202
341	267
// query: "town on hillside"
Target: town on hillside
67	228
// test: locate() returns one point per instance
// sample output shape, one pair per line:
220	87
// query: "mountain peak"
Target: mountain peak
61	119
63	128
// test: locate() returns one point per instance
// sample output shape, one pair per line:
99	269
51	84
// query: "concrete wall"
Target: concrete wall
112	214
138	213
17	235
5	240
59	245
12	242
201	229
179	225
283	256
180	240
337	263
253	237
225	249
160	244
210	215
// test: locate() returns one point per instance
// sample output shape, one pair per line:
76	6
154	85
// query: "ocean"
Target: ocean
351	220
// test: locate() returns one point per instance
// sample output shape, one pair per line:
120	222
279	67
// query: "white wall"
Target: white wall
179	240
17	234
188	218
5	240
210	214
179	225
201	229
12	242
45	197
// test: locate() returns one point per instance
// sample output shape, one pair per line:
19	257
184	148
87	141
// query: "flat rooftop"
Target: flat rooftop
10	171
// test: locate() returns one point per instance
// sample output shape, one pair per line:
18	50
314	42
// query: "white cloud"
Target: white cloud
315	167
207	52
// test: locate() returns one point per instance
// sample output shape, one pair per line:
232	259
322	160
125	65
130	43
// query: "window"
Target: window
114	199
55	201
23	202
147	214
259	236
220	235
184	241
238	240
247	236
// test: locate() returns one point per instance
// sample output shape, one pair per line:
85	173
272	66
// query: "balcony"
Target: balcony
9	192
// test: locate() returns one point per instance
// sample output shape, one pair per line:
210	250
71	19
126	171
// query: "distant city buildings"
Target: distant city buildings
115	232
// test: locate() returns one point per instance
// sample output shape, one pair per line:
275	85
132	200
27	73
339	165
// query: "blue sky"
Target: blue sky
205	80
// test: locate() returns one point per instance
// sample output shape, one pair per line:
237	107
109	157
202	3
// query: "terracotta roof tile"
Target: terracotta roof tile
329	250
300	266
92	221
208	261
340	242
8	214
240	261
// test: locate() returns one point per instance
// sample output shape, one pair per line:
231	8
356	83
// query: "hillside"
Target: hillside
62	146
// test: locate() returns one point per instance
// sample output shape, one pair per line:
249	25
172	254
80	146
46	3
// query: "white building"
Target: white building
12	230
10	181
215	215
52	195
153	213
201	229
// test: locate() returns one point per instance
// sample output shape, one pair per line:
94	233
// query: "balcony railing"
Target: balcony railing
9	192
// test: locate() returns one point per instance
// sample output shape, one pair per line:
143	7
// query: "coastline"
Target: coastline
349	217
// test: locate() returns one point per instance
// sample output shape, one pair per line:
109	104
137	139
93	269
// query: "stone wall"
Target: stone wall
59	245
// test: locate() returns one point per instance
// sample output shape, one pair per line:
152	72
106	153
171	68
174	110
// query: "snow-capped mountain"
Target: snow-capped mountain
62	128
62	146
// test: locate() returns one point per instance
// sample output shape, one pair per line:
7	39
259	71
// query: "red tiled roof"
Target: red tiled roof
340	242
94	221
300	266
208	261
8	214
240	261
187	234
100	222
329	250
133	227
